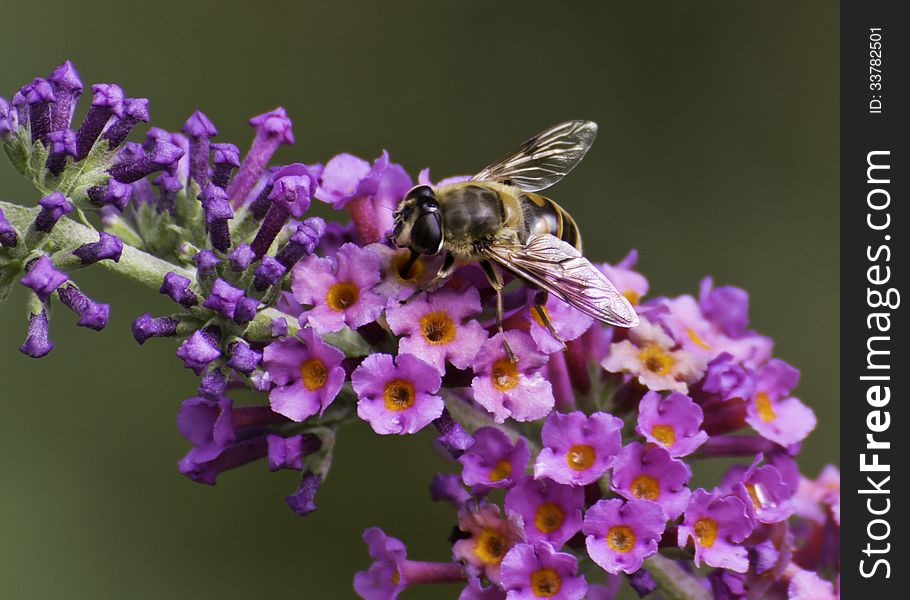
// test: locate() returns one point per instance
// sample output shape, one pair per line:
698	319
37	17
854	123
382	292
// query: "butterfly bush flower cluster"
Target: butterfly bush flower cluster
571	467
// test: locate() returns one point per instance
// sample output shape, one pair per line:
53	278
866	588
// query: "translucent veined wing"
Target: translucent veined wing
545	158
557	267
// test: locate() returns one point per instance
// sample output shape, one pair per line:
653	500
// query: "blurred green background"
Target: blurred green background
718	154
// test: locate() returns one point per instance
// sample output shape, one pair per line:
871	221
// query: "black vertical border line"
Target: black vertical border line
867	537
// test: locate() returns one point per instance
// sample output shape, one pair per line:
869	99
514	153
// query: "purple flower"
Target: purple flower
61	144
8	236
762	489
531	571
225	158
728	380
648	354
621	535
199	350
243	358
199	129
217	213
369	193
568	322
491	536
448	488
223	298
114	194
40	96
135	111
91	314
493	461
207	425
650	473
9	120
53	206
423	178
512	389
806	585
108	247
289	195
551	511
272	130
578	449
629	282
717	525
302	242
107	101
339	290
177	288
773	413
307	373
289	452
382	581
67	89
672	422
397	395
146	327
436	327
398	285
42	278
37	343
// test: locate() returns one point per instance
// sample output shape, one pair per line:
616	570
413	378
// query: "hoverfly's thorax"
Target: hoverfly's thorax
472	210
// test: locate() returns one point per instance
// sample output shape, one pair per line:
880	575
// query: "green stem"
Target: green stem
149	271
674	582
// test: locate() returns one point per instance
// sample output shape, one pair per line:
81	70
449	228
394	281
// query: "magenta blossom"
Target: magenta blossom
397	395
490	536
650	473
512	389
551	511
578	448
382	581
762	489
717	524
339	289
672	422
568	322
773	412
621	535
436	327
493	461
630	283
307	373
531	571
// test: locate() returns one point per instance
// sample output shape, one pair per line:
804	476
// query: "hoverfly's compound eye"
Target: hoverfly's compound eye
426	234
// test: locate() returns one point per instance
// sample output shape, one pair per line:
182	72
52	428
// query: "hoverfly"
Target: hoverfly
498	220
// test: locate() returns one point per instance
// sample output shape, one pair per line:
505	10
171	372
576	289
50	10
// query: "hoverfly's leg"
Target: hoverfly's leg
495	279
540	301
405	269
445	271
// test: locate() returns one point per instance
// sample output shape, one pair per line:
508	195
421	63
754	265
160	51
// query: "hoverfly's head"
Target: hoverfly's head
418	222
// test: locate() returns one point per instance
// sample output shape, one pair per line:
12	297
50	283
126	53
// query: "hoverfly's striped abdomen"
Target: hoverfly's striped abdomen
542	215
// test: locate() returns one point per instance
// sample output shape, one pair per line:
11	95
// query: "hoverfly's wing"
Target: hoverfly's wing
557	267
545	158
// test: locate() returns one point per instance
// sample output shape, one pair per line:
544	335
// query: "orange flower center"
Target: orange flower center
398	262
314	374
764	407
536	315
758	495
632	296
502	470
580	457
505	374
437	328
342	296
706	531
656	359
645	487
665	434
545	583
697	340
491	546
399	395
549	517
621	538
